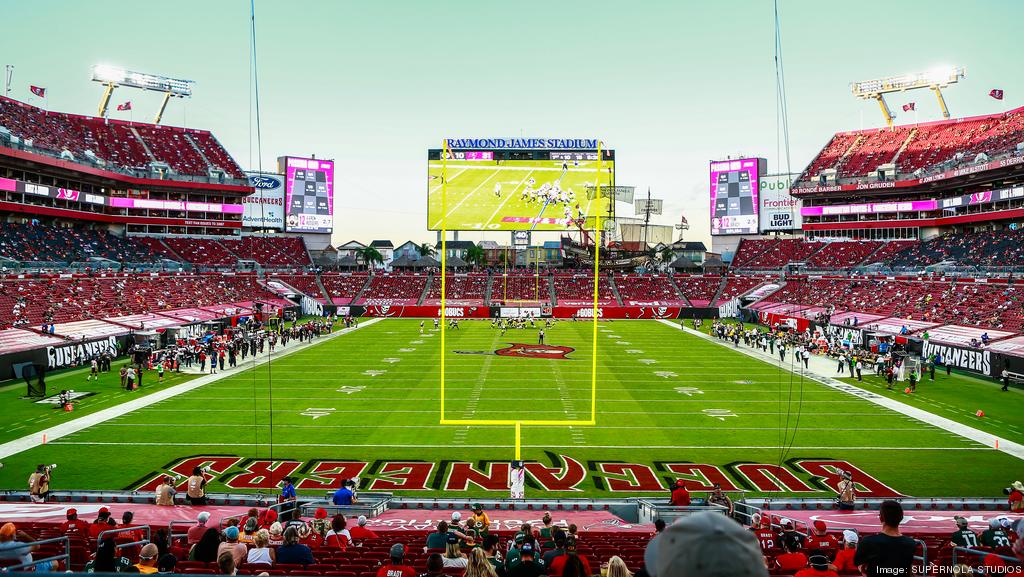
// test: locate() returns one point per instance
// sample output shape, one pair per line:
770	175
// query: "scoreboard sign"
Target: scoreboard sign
735	192
309	194
779	211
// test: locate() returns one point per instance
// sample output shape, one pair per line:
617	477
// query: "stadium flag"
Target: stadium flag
996	93
908	107
125	106
38	91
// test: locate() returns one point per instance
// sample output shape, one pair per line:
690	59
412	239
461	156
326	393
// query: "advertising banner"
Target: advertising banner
264	208
965	358
779	210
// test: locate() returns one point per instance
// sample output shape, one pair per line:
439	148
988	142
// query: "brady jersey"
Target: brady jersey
767	538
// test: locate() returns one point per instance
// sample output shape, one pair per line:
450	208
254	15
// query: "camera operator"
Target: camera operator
165	492
196	492
39	483
1016	497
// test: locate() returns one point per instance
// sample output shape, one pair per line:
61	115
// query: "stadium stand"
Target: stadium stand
271	251
23	242
842	254
642	288
461	288
513	286
579	288
922	147
773	254
123	145
304	283
201	251
983	248
699	290
394	287
738	285
343	288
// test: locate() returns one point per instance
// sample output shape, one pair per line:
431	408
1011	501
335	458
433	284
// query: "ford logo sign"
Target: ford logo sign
264	182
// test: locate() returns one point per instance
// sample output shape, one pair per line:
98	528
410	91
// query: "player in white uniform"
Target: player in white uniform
497	189
517	480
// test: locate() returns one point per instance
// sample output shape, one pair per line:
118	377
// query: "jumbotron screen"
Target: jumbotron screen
545	190
309	194
734	192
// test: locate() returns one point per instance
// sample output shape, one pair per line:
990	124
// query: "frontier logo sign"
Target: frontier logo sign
563	474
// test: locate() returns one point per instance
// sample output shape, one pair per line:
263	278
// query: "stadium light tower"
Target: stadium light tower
935	79
112	77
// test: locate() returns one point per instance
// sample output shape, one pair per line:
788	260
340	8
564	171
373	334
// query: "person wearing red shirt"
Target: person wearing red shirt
1016	499
821	540
767	538
74	527
680	496
819	568
360	533
844	557
558	563
793	559
100	524
395	566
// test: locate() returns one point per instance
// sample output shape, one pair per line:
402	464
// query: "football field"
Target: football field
669	405
482	195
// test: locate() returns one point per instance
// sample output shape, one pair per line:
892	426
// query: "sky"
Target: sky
670	85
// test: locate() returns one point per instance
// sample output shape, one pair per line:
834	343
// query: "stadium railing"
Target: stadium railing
104	534
65	556
959	552
651	509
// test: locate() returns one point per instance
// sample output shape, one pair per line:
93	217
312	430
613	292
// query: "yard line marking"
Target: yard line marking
64	429
910	412
464	199
413	426
542	446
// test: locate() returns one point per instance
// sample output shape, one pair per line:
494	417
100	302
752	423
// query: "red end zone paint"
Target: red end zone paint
535	351
562	474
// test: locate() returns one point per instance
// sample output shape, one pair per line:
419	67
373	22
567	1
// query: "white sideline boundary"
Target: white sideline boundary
75	425
949	425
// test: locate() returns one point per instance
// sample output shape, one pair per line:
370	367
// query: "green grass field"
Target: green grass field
473	205
667	401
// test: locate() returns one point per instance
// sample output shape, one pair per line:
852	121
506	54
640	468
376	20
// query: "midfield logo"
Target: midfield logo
535	351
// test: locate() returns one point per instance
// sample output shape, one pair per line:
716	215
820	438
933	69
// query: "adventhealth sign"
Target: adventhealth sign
523	143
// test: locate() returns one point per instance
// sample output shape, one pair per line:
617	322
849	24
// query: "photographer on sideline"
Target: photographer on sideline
1016	497
196	492
39	483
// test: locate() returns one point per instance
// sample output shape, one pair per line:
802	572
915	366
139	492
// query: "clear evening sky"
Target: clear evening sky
669	84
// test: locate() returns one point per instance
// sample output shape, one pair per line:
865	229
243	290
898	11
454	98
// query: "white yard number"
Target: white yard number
719	414
317	412
689	391
348	390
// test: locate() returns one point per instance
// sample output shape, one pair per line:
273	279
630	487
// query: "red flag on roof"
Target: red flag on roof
125	106
996	93
908	107
38	91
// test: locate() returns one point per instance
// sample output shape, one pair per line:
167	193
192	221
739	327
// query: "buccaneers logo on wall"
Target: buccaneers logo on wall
535	351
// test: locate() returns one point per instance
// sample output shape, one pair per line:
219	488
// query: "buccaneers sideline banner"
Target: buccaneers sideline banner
563	474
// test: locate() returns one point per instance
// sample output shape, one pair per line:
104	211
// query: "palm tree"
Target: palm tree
426	249
371	256
667	255
476	256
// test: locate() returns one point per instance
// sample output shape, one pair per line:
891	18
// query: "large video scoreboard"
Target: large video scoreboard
734	195
517	184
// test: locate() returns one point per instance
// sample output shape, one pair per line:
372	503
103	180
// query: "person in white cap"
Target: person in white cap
995	537
705	544
844	557
360	532
1016	500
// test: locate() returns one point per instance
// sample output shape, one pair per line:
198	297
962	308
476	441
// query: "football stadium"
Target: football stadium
685	333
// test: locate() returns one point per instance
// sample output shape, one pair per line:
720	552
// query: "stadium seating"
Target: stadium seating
201	251
889	251
273	251
396	287
738	285
462	288
699	290
342	288
124	145
843	254
521	287
915	147
647	288
579	288
772	254
23	242
304	283
984	249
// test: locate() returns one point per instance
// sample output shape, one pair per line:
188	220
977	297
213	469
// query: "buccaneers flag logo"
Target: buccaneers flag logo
535	351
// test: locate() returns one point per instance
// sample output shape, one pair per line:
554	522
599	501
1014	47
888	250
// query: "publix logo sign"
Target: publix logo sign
264	182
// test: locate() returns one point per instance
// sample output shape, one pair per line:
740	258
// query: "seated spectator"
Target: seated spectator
320	523
276	533
166	564
307	537
74	527
680	496
12	546
260	552
249	530
821	540
617	568
360	533
267	518
994	537
225	564
490	547
292	551
528	566
705	545
231	545
435	566
100	524
106	559
844	557
453	556
559	550
558	564
760	526
338	537
196	532
206	549
963	536
478	566
438	539
819	567
396	567
148	559
789	532
793	559
889	552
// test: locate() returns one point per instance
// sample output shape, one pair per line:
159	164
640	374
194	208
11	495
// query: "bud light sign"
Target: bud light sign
264	208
